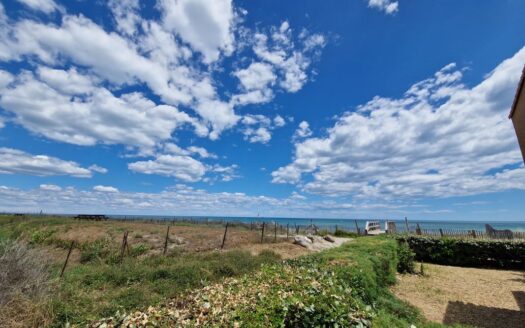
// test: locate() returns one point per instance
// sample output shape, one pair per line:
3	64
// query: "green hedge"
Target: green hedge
468	252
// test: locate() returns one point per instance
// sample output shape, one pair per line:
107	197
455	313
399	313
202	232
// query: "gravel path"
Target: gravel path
476	297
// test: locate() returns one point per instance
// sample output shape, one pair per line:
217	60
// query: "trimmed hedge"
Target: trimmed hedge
468	252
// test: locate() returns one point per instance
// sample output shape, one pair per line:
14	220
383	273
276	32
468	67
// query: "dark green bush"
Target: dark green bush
405	258
346	234
468	252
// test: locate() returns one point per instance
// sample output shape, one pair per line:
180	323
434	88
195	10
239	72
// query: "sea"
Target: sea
345	224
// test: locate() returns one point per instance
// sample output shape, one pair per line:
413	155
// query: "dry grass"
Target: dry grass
24	285
23	271
477	297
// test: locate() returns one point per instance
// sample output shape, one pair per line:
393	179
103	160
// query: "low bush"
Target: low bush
344	233
341	287
468	252
405	258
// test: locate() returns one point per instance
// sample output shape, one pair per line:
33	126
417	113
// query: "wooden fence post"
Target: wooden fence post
406	225
262	233
224	237
441	232
67	258
287	230
357	227
124	245
275	233
418	229
166	240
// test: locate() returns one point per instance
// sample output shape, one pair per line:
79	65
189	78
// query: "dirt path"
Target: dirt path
476	297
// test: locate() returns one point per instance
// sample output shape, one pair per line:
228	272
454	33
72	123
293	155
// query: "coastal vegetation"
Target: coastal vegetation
467	252
343	286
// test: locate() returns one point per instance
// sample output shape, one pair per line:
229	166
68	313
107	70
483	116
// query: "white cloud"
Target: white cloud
126	14
290	62
97	116
257	128
205	25
256	76
50	187
388	6
172	148
105	189
183	168
279	121
302	131
260	134
13	161
98	169
5	79
46	6
80	65
440	139
180	200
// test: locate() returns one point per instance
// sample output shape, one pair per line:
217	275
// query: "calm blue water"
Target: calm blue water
349	224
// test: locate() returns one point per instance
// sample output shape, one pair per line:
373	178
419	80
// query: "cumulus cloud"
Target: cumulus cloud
441	138
105	189
97	116
45	6
206	25
91	65
180	199
98	169
279	121
126	15
302	131
50	187
13	161
388	6
257	128
183	168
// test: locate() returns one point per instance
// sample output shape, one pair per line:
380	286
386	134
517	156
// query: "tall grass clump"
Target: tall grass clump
24	286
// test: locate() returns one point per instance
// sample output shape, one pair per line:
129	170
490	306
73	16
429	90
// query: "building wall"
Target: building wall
518	119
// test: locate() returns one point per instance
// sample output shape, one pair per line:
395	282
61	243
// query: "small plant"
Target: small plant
39	237
90	252
137	250
405	258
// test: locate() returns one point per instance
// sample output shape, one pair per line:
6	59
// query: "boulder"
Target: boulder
329	238
302	241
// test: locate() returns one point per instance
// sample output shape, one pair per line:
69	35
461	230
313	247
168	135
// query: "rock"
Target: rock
329	238
302	241
312	238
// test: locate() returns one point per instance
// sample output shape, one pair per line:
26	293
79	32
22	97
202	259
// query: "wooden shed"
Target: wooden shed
517	114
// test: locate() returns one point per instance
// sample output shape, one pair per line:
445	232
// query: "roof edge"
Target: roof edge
518	92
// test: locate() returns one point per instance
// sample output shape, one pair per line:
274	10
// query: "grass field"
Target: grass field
196	284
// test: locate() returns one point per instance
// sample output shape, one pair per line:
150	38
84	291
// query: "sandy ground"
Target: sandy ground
187	238
476	297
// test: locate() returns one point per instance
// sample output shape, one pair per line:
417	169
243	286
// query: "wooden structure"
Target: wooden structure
92	217
517	114
373	228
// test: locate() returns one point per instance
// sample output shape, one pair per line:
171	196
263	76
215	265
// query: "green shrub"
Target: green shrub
41	236
138	249
345	234
468	252
96	250
405	258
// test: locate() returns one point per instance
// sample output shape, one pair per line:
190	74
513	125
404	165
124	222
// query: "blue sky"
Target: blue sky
347	109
